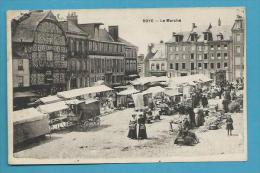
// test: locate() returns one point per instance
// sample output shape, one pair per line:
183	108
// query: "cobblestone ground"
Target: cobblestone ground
110	141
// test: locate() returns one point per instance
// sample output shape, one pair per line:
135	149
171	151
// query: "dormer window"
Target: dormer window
178	38
208	36
194	36
220	36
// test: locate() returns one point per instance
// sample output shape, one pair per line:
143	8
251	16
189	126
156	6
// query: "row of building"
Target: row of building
216	51
50	55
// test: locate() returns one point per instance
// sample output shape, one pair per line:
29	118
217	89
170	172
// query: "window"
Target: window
176	66
193	47
206	48
49	55
171	56
171	66
212	65
184	56
199	56
211	47
162	66
225	64
205	56
157	66
71	45
183	65
218	47
20	81
199	65
192	56
218	65
212	55
225	47
238	37
177	48
225	55
83	46
183	48
218	55
200	48
177	56
152	66
205	65
77	46
238	49
192	66
90	46
20	64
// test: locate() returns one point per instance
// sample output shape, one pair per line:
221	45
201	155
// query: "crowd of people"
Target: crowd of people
194	109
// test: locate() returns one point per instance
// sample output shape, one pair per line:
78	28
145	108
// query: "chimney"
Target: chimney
72	17
113	31
173	34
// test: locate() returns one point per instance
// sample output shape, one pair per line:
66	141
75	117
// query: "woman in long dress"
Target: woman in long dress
132	133
142	128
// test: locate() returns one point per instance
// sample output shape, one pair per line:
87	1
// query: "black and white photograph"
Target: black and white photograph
126	85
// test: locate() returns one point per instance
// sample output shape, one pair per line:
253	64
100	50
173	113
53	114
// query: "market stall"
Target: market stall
124	98
28	124
57	113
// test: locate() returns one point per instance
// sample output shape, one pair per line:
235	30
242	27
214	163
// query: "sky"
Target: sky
140	33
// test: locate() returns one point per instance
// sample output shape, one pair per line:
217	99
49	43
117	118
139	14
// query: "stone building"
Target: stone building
216	51
39	53
78	75
238	38
140	65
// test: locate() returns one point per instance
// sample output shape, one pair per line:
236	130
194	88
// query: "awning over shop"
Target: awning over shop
49	99
53	107
83	91
24	94
172	92
128	92
154	90
27	115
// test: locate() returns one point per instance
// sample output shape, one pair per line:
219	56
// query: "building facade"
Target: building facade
238	38
140	65
39	53
215	51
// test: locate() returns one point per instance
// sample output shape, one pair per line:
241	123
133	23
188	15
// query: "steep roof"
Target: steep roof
69	26
215	30
126	42
28	23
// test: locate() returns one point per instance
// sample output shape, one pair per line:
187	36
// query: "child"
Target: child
229	122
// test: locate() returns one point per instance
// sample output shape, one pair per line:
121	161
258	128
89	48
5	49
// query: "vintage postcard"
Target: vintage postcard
127	85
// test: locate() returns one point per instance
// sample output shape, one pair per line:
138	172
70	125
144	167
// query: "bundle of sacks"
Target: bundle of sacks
236	105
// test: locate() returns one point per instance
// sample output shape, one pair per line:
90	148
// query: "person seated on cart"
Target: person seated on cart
132	133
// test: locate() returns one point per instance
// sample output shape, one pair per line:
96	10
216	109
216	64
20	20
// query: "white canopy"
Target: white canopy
189	80
53	107
27	115
50	99
74	101
154	90
172	92
128	91
83	91
145	80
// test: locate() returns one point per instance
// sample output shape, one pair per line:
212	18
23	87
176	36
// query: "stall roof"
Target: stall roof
145	80
50	99
128	92
53	107
172	92
24	94
74	102
83	91
154	90
189	80
88	101
27	115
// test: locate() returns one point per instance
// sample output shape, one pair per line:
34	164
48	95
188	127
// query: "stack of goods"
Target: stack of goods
214	120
